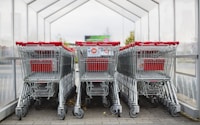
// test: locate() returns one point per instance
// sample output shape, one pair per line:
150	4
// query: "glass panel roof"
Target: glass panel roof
40	4
130	9
61	4
131	16
66	10
146	4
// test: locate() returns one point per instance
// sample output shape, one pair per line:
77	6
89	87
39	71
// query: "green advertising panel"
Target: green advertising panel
95	38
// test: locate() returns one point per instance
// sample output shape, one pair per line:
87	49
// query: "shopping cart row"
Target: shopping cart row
105	70
48	72
147	69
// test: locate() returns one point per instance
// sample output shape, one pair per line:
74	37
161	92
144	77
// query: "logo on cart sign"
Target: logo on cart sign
93	50
106	51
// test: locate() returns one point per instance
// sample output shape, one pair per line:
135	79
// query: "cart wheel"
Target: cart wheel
24	111
107	105
80	114
73	112
87	102
132	113
19	115
62	115
112	110
66	109
118	113
169	108
37	105
162	101
154	102
173	111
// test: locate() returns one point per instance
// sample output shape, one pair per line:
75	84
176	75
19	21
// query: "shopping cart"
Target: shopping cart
97	70
48	72
147	68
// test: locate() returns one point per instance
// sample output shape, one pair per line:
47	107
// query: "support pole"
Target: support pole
198	50
13	40
36	26
27	23
159	37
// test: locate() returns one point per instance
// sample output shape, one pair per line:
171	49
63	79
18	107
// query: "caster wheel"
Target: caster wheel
24	111
80	114
173	111
107	105
66	109
37	105
61	116
132	113
73	112
169	108
112	110
87	102
155	103
19	114
118	113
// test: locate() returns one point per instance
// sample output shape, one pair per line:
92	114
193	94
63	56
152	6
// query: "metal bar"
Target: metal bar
186	74
36	26
155	1
115	11
49	31
13	40
44	30
138	6
141	30
27	23
59	9
148	28
198	50
125	9
158	18
31	2
27	18
174	38
11	58
44	20
68	12
187	56
159	22
47	6
174	16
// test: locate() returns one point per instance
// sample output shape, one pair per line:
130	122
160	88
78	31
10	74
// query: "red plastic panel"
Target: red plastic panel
96	64
41	65
154	64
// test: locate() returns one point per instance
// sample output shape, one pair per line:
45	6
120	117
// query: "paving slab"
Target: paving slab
96	114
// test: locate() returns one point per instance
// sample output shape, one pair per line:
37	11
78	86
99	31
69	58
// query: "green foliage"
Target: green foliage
76	59
131	38
66	43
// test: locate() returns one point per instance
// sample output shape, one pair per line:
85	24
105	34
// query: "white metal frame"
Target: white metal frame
153	1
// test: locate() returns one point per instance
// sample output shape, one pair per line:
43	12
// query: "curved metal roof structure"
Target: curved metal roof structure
132	9
53	10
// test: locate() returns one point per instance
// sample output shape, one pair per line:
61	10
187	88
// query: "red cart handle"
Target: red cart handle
80	43
149	43
45	43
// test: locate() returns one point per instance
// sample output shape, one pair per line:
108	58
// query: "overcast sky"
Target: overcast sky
92	18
